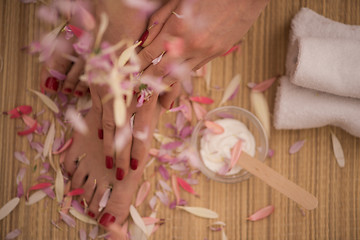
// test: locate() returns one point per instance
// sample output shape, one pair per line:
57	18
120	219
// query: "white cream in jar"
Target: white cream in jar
215	149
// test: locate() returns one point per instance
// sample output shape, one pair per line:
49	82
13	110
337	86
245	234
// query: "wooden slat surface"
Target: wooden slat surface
262	56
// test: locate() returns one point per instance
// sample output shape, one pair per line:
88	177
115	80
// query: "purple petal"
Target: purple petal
172	205
20	175
185	132
49	192
83	46
164	172
12	235
37	146
182	202
77	206
82	234
271	153
152	202
46	167
94	232
296	146
67	219
172	145
165	186
163	197
21	157
20	190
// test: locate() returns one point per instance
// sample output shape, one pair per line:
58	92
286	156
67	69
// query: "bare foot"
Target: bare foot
93	176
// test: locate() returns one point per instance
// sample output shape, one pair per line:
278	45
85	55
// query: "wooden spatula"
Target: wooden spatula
277	181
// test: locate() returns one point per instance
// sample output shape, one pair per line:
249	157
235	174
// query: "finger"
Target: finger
73	76
157	21
145	120
167	99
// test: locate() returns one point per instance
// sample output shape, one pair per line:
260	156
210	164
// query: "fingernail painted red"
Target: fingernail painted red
101	133
120	174
107	219
91	214
134	163
78	93
171	105
68	90
109	162
143	37
52	83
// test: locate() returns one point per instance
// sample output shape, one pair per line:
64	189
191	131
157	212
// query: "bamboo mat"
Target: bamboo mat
262	56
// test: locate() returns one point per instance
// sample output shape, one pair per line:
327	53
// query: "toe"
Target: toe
73	76
81	88
80	176
94	204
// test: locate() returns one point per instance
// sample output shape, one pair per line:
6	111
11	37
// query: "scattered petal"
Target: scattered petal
64	147
18	111
67	219
214	127
82	217
138	220
49	140
164	173
271	153
20	156
263	86
59	186
235	153
262	213
172	145
296	146
40	186
200	112
29	121
76	192
76	120
186	186
142	193
104	199
8	207
153	202
58	75
46	100
164	185
82	234
28	131
223	235
35	197
231	88
204	100
261	109
20	190
13	234
338	151
49	192
94	232
200	212
158	59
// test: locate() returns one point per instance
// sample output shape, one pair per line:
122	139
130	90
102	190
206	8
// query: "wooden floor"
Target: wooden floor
262	57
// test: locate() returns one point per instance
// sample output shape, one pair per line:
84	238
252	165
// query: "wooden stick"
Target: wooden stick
277	181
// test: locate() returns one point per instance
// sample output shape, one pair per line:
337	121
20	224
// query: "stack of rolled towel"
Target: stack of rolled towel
322	86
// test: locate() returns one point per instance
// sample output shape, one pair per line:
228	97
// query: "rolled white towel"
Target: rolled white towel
324	54
298	108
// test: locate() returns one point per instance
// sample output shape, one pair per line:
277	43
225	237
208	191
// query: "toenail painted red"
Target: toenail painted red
78	93
171	105
82	203
68	90
143	37
91	214
109	162
52	83
101	133
172	84
134	163
107	219
120	174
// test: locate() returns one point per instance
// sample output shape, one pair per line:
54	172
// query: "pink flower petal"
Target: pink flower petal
164	185
67	219
104	199
20	175
163	197
40	186
163	172
142	193
94	232
152	202
29	121
185	132
82	234
214	127
200	112
204	100
18	111
13	234
261	87
21	157
58	75
77	31
76	121
77	206
20	190
235	153
64	147
28	131
186	186
187	108
271	153
262	213
296	146
76	192
176	109
172	145
49	192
